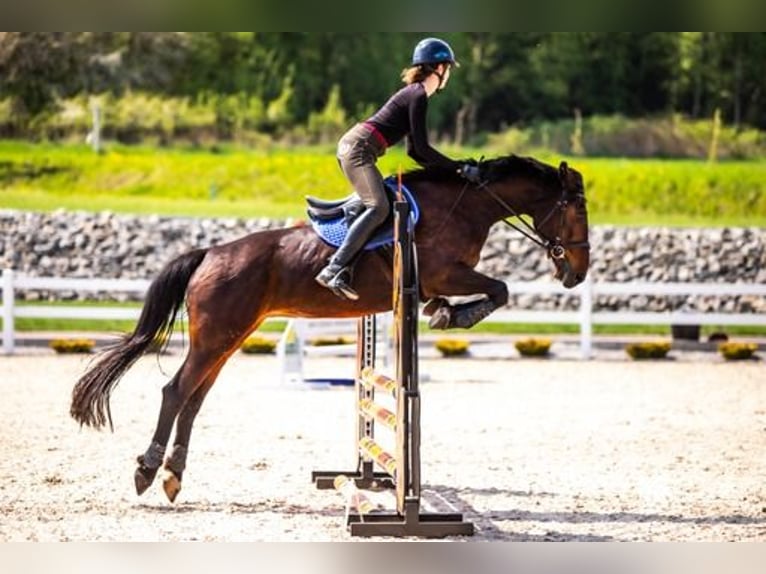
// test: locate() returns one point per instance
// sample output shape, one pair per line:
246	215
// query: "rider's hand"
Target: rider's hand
470	172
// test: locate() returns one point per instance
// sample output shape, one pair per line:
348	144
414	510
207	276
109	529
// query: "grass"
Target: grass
27	324
234	182
244	183
93	325
675	192
277	326
573	329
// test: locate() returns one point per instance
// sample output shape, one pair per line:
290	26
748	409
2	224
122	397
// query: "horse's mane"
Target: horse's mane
495	169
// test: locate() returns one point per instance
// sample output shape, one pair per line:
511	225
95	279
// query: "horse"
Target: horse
230	289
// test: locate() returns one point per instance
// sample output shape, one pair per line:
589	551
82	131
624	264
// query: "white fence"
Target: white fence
12	281
585	316
292	345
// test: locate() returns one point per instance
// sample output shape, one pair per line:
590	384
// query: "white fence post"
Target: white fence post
290	354
385	340
8	301
95	135
586	319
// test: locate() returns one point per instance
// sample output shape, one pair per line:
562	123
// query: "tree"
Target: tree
38	67
506	78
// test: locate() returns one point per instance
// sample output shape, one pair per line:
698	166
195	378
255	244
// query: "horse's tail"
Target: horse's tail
90	396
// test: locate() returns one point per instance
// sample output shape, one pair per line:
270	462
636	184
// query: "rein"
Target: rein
451	210
555	248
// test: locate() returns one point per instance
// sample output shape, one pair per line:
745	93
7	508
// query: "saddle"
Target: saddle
332	218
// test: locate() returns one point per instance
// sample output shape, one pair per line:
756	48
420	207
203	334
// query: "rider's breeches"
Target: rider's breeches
358	150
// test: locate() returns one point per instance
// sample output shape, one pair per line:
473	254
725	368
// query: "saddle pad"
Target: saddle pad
333	231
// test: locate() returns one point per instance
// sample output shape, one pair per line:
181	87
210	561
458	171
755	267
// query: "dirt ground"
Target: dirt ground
600	450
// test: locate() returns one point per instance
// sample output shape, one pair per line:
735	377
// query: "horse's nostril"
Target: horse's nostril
579	277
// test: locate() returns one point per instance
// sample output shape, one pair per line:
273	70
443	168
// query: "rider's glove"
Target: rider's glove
470	172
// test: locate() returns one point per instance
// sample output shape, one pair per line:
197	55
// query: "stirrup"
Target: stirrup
338	284
327	274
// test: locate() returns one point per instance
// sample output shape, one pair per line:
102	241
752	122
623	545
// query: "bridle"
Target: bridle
555	247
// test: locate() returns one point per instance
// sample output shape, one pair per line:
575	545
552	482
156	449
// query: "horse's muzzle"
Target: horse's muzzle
573	279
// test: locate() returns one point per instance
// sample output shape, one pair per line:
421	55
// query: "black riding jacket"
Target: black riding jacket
404	114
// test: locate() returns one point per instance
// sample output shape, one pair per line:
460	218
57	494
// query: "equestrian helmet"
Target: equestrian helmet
433	51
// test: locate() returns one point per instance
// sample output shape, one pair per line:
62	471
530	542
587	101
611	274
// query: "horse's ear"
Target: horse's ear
563	167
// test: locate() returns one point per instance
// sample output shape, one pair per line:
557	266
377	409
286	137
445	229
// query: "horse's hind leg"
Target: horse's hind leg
175	463
174	395
150	461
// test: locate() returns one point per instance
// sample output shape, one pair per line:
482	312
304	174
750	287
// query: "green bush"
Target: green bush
258	346
278	116
237	113
328	341
67	346
733	351
533	347
670	136
452	347
6	111
135	114
73	116
330	123
648	350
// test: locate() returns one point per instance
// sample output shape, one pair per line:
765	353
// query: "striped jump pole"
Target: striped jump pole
354	496
399	470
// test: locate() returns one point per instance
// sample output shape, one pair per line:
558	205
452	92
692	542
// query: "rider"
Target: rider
403	115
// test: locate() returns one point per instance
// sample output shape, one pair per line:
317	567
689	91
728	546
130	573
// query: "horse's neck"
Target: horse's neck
453	202
457	210
512	197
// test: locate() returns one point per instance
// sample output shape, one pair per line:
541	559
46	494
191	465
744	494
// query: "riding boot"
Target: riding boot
336	274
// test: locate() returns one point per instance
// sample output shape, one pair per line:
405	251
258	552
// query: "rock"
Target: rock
78	244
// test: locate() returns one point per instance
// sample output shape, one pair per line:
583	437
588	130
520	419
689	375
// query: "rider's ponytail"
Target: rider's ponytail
418	73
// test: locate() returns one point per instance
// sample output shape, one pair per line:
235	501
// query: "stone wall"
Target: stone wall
67	244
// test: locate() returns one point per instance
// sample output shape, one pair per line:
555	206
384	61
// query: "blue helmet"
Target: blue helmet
433	51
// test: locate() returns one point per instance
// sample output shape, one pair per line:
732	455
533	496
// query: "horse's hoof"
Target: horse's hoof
434	305
143	478
440	319
171	484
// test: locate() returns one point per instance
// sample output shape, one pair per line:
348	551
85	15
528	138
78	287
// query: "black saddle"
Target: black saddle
348	207
331	219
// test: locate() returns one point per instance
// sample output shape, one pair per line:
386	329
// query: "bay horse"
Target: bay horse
230	289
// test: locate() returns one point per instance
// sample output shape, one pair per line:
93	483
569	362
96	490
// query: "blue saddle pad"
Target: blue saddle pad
333	231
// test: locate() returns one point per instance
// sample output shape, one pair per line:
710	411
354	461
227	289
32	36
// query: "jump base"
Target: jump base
412	523
324	479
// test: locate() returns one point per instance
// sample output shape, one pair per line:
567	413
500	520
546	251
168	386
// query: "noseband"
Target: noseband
555	247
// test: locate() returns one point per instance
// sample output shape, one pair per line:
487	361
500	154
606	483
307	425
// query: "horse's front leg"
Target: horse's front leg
461	280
